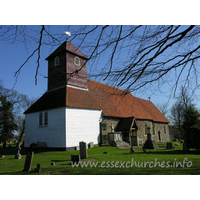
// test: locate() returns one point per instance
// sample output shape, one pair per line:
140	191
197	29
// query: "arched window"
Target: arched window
46	118
56	61
77	61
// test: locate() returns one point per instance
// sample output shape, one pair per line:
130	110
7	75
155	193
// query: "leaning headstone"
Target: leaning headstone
18	155
75	159
169	145
53	164
91	145
83	150
38	168
28	162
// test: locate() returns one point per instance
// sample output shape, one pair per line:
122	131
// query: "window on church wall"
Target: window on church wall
40	119
46	118
145	130
56	61
43	119
154	132
164	130
77	61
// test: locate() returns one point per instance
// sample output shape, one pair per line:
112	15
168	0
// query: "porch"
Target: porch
124	134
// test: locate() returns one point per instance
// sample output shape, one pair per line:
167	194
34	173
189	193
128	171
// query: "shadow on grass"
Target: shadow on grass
65	164
131	171
60	160
107	171
23	151
18	173
174	152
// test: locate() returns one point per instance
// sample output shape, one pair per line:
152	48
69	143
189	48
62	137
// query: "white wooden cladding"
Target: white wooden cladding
53	134
82	125
66	127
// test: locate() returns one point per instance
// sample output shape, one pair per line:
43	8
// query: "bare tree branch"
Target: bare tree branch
38	59
135	56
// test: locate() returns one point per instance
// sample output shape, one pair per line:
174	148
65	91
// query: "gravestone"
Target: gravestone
148	143
149	136
169	145
28	162
155	145
38	168
2	156
91	145
83	150
75	159
18	155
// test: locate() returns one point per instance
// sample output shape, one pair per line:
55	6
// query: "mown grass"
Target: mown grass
62	160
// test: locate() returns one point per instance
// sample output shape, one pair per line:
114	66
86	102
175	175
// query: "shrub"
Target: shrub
191	127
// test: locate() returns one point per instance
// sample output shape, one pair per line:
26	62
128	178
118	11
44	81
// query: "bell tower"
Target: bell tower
67	66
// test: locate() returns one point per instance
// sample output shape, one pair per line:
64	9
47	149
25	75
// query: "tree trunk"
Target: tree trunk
4	144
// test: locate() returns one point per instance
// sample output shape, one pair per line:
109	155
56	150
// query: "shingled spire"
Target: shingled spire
67	66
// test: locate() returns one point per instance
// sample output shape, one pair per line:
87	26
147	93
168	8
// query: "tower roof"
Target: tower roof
68	47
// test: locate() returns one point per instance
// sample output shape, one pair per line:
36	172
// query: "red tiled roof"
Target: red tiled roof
110	100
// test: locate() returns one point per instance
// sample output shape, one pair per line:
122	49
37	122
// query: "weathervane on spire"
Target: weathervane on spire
68	34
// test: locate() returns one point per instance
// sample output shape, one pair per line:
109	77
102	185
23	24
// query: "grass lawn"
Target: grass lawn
116	161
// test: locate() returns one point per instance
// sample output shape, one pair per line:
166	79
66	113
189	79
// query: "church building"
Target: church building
76	109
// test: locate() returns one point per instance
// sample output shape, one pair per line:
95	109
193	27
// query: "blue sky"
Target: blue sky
12	57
